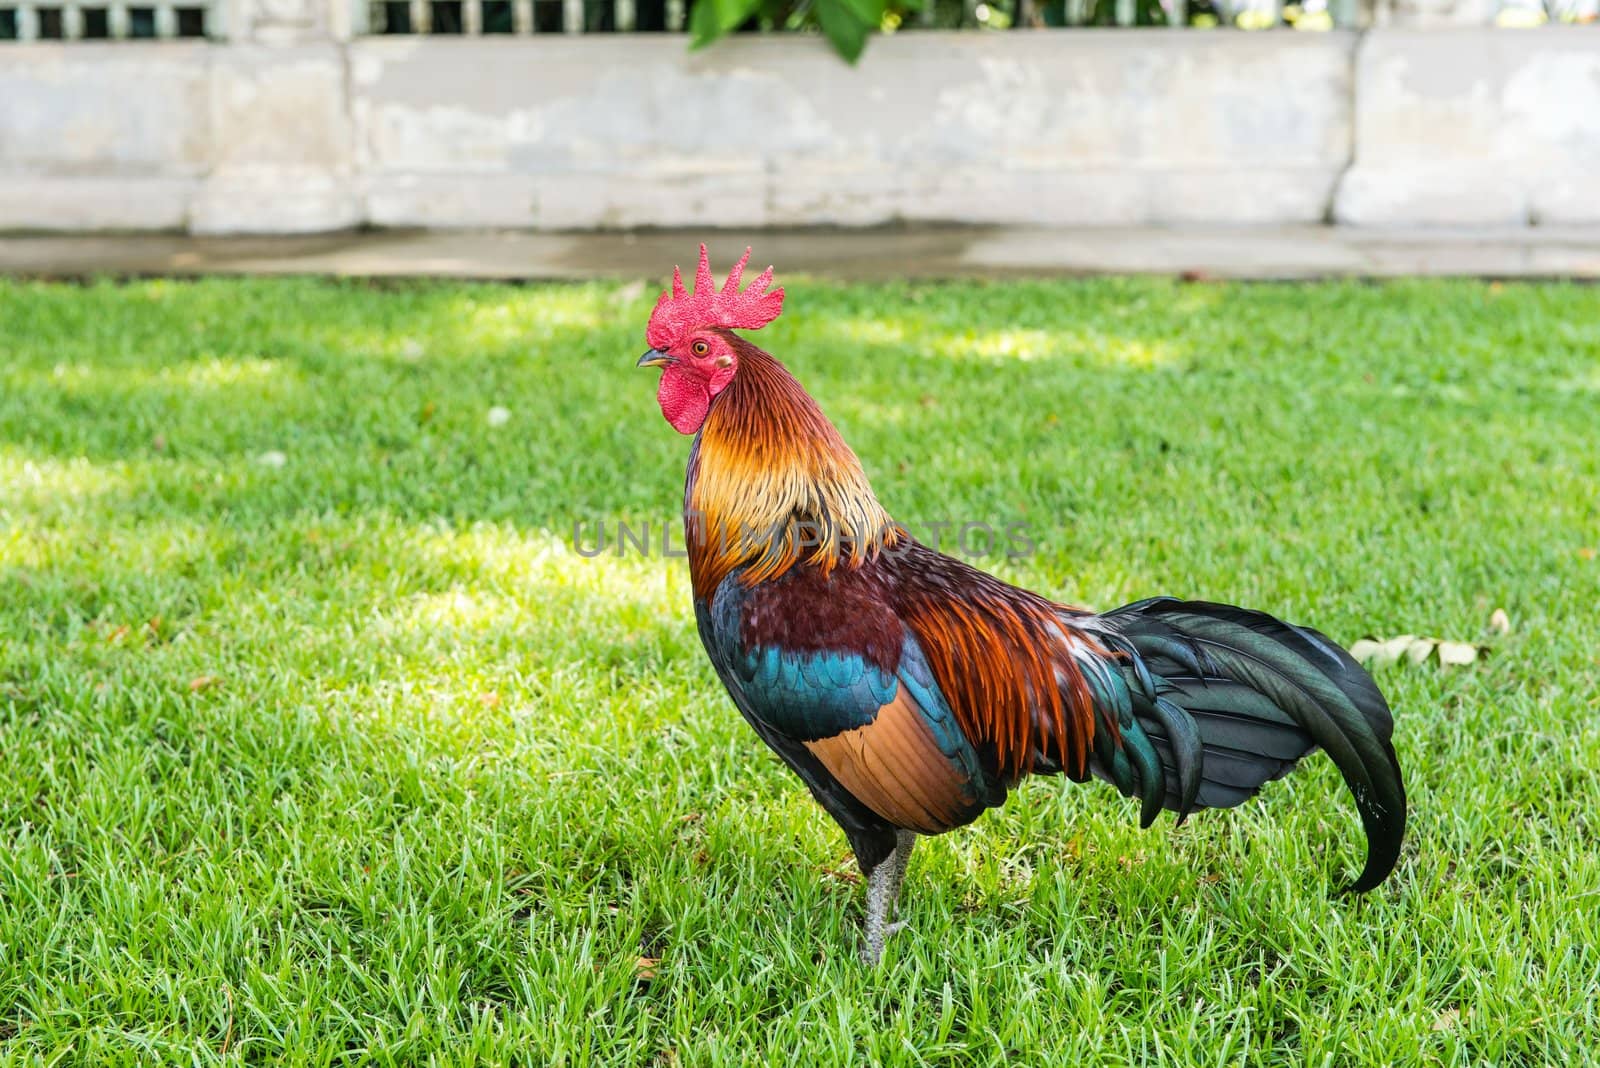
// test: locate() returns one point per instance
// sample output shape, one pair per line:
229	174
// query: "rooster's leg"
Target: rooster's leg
883	888
900	859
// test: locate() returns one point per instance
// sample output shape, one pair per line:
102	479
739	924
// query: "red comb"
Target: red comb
679	311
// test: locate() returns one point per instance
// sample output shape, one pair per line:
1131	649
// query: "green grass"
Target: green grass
353	760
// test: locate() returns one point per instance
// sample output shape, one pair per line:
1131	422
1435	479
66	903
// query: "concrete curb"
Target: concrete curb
1296	252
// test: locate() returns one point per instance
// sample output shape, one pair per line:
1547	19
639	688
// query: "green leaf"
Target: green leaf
842	25
704	27
711	19
869	12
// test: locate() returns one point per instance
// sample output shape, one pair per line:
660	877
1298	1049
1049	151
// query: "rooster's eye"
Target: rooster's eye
700	348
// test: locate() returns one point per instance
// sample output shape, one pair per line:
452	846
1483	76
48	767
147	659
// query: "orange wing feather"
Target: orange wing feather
894	767
1004	659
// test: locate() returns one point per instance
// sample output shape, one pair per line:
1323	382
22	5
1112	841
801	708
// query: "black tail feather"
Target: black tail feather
1231	699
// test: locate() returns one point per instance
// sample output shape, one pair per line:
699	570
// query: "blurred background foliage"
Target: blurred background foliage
848	23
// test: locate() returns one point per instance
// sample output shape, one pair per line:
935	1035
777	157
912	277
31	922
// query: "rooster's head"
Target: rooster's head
689	339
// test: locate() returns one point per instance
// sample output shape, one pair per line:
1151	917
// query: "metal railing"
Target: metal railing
475	18
43	20
29	21
526	17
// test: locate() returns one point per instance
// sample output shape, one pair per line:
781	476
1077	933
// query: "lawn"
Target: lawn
323	746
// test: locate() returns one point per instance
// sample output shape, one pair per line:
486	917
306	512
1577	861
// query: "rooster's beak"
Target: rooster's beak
654	358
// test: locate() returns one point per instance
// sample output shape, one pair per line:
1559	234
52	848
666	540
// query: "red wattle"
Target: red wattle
684	400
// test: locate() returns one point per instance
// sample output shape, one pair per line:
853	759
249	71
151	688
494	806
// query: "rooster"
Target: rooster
911	691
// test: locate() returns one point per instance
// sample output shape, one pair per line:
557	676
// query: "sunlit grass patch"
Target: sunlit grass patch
44	483
1064	341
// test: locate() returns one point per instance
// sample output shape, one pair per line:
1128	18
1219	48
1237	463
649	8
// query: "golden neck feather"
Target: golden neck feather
772	484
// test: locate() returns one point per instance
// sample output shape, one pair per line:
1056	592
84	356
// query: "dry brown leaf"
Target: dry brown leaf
1365	650
645	967
1374	653
1457	653
1381	652
202	682
1420	649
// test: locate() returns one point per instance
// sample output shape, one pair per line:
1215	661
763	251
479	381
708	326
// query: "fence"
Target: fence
525	17
114	22
131	21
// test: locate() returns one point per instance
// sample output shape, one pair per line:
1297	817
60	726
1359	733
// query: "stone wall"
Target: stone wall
1475	127
292	129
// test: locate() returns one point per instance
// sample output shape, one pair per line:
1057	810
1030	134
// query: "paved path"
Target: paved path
1277	252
